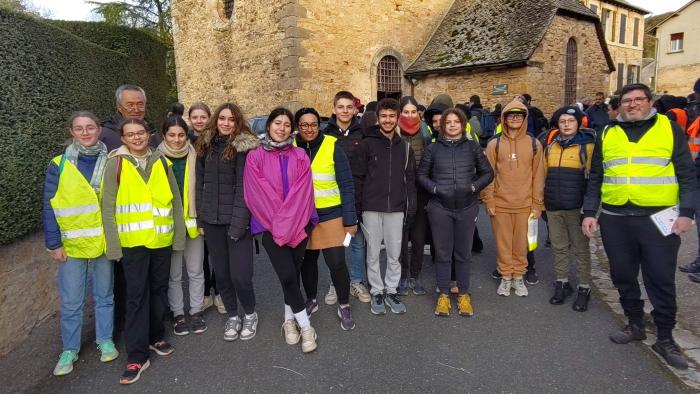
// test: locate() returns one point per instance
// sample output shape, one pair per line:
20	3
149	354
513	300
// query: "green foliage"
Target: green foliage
48	73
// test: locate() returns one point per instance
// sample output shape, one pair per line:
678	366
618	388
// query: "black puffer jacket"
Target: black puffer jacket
454	172
349	140
220	185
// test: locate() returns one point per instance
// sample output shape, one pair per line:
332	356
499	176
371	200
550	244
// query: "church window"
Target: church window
389	78
570	72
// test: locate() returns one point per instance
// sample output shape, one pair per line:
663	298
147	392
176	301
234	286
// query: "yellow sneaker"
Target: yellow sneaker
443	306
464	305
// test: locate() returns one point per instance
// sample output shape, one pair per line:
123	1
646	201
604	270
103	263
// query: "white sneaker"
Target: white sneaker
219	304
519	287
359	291
331	297
231	329
504	287
208	301
308	342
290	332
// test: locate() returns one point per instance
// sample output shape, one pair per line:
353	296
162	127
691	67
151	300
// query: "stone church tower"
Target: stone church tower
263	53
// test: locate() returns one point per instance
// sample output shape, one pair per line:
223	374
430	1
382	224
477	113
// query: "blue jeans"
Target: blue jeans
357	257
73	276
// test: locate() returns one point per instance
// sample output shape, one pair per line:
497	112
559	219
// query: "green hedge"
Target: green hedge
46	74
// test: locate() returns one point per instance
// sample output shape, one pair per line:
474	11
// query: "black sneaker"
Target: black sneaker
582	297
198	323
694	277
562	291
531	277
496	275
133	372
162	348
668	349
691	268
180	327
629	333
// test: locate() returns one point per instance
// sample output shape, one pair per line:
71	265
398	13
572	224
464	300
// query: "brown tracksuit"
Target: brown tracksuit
516	192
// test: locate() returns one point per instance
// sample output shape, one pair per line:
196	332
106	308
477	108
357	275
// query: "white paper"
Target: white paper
346	241
665	219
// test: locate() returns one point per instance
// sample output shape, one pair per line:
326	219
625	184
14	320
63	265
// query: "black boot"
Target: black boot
668	349
630	332
562	290
582	297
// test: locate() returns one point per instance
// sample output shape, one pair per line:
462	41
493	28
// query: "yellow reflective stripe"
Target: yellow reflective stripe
191	222
653	180
327	192
651	160
86	232
72	211
615	162
135	226
134	208
162	212
324	177
165	229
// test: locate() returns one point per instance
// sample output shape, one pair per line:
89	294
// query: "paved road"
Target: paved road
510	345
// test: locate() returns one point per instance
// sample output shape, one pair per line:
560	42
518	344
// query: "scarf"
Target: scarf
189	152
100	150
409	126
269	144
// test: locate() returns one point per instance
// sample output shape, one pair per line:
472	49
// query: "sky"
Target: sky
80	10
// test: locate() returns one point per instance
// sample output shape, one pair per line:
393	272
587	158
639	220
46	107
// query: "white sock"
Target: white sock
314	300
288	314
565	280
302	319
252	315
345	305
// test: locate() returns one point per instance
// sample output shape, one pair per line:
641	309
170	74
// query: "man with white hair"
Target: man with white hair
130	101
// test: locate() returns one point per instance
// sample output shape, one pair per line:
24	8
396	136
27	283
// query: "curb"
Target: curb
686	340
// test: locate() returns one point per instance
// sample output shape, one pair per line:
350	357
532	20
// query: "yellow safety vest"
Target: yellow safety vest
144	211
326	190
641	173
499	129
190	223
77	211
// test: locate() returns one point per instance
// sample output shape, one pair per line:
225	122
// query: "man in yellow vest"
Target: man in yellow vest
641	165
74	237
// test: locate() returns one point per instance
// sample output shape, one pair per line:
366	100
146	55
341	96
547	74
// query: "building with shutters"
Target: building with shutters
301	52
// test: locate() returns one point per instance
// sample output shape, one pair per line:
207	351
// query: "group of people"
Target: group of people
132	207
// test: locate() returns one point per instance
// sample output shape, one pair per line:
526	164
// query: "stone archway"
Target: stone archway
387	75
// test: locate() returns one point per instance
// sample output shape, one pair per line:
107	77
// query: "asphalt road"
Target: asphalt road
510	345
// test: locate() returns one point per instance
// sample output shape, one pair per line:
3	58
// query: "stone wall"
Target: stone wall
677	80
543	78
28	289
627	56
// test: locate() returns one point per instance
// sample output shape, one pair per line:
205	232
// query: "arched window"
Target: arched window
389	78
570	72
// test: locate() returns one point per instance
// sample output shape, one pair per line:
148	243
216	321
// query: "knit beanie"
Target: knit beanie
572	110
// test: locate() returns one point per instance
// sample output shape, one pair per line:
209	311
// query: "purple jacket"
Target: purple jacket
278	189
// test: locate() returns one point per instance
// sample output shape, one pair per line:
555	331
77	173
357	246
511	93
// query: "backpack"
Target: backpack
693	134
681	116
487	121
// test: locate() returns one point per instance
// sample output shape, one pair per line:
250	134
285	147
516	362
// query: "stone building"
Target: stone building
677	64
623	25
269	52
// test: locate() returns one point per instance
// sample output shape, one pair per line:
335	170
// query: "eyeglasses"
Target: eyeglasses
88	129
515	116
567	121
636	100
308	126
134	106
131	136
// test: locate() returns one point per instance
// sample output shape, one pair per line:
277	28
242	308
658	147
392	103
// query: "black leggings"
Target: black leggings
335	260
286	262
209	276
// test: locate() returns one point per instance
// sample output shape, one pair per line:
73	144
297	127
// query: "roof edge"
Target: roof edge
511	64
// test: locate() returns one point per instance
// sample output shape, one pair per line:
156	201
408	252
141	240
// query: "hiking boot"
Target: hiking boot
197	323
377	305
133	372
290	331
219	304
64	366
250	325
108	352
308	339
496	275
311	306
668	349
504	287
531	277
416	287
162	348
331	297
359	291
694	277
519	287
443	306
346	321
403	287
233	325
180	327
562	290
691	268
394	304
464	305
629	333
583	295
